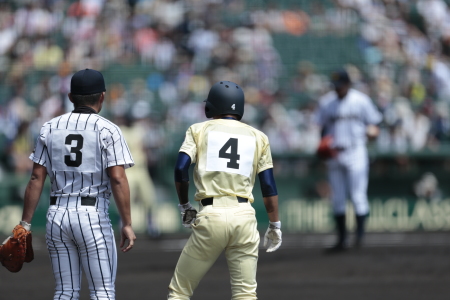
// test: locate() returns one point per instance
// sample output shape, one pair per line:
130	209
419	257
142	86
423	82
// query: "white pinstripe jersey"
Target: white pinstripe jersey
76	149
346	119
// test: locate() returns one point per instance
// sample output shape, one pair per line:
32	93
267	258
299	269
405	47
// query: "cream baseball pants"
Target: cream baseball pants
225	225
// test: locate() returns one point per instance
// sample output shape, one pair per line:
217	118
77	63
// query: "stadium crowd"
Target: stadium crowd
406	48
187	45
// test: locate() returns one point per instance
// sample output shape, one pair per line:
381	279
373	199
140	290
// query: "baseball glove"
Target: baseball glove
325	150
17	249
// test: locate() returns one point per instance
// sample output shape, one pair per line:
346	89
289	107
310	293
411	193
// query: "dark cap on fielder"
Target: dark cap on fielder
340	77
87	82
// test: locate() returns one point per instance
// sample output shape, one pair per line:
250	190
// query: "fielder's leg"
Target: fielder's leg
342	232
358	175
95	238
63	256
337	175
360	229
142	197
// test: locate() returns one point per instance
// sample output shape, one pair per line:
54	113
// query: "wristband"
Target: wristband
25	225
183	207
276	225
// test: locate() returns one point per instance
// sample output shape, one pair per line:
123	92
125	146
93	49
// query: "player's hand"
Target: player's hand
127	234
188	217
272	238
372	132
188	214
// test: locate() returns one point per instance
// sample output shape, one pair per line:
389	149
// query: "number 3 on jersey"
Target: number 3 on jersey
232	153
74	150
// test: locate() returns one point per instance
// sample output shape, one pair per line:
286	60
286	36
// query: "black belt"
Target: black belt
86	201
209	201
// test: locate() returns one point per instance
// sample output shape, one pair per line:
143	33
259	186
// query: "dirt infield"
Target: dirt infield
392	266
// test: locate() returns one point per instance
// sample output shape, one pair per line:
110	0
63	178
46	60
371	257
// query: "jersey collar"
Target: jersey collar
84	110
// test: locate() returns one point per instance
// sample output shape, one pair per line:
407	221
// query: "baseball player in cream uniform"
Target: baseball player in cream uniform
349	117
227	155
85	157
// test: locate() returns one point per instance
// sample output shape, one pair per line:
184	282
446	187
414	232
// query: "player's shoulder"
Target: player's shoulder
356	95
327	97
327	100
196	128
252	131
54	122
255	131
200	125
103	123
60	117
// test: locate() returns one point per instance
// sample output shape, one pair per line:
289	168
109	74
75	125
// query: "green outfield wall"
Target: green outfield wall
297	215
300	180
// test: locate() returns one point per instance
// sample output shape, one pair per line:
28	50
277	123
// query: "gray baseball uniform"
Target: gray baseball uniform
346	121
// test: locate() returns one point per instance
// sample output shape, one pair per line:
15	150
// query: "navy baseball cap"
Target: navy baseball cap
340	77
87	82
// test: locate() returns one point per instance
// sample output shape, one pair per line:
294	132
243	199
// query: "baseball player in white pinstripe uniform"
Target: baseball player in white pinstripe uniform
349	117
85	157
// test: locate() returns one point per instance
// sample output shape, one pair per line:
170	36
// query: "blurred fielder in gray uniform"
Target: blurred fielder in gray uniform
348	118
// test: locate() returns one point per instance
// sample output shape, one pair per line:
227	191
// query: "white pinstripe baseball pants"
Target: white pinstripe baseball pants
348	176
81	239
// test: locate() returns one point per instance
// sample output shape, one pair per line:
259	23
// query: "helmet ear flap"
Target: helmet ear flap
210	110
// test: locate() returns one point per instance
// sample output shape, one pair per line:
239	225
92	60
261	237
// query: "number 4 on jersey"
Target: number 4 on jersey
233	156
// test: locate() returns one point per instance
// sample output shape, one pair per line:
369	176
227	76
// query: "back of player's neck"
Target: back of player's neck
228	117
84	109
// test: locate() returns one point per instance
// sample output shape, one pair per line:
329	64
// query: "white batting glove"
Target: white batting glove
188	214
272	238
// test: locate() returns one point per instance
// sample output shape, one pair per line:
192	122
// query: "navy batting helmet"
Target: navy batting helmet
225	98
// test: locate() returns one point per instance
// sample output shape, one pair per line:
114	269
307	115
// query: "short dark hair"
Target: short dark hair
83	100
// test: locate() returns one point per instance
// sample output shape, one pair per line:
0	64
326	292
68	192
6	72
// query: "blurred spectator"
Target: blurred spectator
172	50
427	187
47	56
20	150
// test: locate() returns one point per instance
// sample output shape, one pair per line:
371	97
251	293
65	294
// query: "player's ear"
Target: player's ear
70	97
102	98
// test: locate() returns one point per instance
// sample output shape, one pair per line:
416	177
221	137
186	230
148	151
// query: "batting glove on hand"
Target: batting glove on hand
188	214
272	238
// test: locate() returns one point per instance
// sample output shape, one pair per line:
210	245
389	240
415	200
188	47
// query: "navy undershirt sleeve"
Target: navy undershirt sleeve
268	186
182	167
